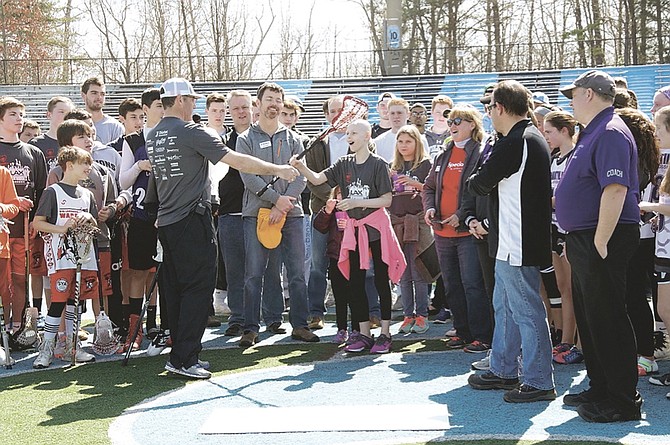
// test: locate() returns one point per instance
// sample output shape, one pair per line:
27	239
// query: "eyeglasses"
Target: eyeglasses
490	107
418	113
456	121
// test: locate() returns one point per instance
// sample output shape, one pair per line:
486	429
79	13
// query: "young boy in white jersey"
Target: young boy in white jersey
67	207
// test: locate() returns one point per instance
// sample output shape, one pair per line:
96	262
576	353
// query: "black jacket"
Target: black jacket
518	171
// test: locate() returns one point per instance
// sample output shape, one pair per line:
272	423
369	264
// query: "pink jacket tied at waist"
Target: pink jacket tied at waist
391	252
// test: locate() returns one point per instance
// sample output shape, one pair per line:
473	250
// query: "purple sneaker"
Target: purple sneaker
382	345
358	342
341	337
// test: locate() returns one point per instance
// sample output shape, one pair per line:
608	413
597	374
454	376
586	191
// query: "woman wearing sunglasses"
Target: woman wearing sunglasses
447	204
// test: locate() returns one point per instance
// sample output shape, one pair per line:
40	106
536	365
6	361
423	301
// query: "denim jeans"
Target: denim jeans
413	288
316	286
521	324
466	295
272	305
258	259
232	251
307	229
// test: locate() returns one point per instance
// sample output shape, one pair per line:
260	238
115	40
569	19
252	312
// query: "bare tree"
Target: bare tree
121	37
374	14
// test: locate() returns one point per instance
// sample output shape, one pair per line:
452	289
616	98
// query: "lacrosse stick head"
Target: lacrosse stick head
27	337
353	109
105	342
81	237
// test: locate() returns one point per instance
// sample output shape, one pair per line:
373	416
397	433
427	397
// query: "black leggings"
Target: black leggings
359	299
342	294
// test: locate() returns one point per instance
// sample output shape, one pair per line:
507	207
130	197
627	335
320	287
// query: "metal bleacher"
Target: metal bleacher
468	87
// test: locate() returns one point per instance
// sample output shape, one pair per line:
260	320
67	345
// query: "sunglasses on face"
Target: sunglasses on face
418	113
456	121
490	107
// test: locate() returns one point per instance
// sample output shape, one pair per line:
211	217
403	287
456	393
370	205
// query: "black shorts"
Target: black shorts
142	236
557	240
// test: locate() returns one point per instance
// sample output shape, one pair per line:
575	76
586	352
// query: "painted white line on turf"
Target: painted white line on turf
297	419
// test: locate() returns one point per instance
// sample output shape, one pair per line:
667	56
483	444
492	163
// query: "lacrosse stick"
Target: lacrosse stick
26	336
80	233
353	109
26	265
8	361
104	340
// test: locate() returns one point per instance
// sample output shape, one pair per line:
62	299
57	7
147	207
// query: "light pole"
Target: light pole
393	38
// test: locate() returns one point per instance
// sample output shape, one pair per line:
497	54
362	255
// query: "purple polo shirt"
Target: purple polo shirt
605	154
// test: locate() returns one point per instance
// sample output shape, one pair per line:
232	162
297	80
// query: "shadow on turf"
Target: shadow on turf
106	389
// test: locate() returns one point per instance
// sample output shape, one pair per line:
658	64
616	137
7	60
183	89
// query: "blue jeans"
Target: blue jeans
466	295
413	288
521	324
374	307
258	259
232	250
316	286
307	228
273	290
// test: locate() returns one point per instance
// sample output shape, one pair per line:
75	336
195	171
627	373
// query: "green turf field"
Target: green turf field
76	406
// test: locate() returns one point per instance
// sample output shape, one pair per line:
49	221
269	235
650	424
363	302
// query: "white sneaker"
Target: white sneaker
483	364
3	358
451	333
81	357
661	346
194	372
45	356
159	343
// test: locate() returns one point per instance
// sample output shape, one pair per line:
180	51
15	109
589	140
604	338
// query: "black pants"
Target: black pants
189	261
599	295
342	294
488	266
638	280
359	299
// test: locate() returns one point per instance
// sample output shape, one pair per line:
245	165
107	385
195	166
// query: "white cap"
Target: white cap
178	86
540	98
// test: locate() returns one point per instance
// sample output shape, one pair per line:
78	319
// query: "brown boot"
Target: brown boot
133	322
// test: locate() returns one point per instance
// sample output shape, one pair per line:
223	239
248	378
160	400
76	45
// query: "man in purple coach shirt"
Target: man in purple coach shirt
596	203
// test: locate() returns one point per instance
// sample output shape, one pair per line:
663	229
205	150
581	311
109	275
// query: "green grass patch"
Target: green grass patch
76	406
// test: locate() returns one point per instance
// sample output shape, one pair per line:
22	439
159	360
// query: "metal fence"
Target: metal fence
415	61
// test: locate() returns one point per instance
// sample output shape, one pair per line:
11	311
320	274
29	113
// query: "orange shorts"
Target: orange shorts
36	261
62	285
105	264
5	280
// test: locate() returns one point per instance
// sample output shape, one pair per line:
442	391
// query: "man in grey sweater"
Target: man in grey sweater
272	142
